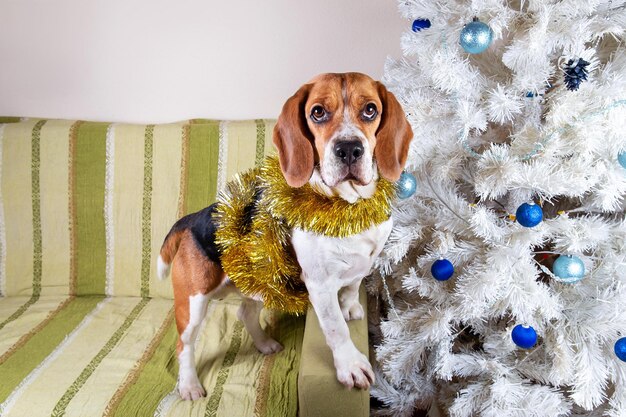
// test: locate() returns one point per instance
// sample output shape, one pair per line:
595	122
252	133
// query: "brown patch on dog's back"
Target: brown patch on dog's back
170	245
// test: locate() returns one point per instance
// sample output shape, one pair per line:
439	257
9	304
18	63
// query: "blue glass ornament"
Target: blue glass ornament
621	157
568	269
442	269
620	349
419	24
529	215
524	336
476	37
406	185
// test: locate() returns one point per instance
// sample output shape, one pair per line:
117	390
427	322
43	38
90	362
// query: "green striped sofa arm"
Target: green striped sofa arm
319	392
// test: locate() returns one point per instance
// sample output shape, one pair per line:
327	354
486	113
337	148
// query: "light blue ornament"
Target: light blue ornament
568	269
476	37
621	157
620	349
406	185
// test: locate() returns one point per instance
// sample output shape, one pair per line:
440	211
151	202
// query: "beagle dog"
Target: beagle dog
338	132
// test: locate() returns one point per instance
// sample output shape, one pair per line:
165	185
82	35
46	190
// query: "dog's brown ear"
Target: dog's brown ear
294	140
392	137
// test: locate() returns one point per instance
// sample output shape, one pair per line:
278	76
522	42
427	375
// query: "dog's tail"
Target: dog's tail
168	251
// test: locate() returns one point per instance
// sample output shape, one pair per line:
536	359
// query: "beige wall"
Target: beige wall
158	60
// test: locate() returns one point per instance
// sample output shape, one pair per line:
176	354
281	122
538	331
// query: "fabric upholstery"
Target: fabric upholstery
86	328
85	206
319	392
115	356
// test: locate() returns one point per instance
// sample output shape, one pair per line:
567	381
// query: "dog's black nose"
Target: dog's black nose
349	151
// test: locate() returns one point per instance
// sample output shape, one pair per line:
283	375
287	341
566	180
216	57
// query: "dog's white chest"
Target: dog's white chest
345	260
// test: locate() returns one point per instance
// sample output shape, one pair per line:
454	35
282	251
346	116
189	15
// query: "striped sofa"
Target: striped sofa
86	329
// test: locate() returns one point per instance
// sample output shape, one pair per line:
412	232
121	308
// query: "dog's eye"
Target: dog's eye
370	111
318	114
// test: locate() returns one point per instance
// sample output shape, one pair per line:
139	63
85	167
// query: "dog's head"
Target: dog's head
348	125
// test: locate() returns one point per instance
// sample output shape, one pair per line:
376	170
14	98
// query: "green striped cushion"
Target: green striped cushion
115	356
84	206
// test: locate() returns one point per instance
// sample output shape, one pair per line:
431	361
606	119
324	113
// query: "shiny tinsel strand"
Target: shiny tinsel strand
309	210
256	254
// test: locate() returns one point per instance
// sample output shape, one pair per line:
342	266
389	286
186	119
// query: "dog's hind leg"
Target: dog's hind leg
249	313
189	385
194	277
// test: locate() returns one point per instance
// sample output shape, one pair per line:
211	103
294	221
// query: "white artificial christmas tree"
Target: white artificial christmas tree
539	116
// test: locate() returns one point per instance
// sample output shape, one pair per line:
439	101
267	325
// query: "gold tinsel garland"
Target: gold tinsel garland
256	213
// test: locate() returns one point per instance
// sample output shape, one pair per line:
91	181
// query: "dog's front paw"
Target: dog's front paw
354	370
353	312
191	390
268	346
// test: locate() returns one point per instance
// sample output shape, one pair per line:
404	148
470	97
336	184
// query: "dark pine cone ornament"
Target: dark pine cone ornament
575	73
